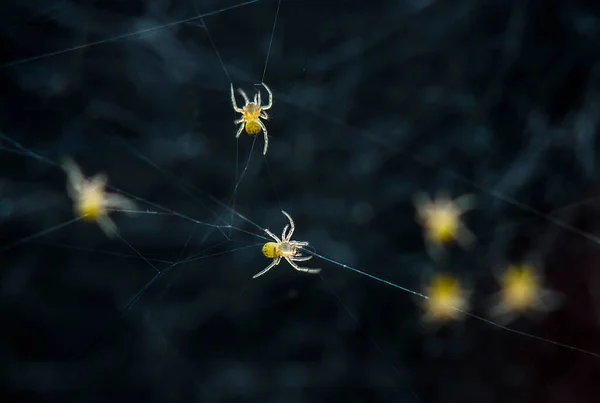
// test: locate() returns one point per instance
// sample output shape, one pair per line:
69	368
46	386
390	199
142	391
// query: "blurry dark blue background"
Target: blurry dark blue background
374	101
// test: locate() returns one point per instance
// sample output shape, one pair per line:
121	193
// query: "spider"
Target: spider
447	300
522	293
440	219
286	249
252	112
90	198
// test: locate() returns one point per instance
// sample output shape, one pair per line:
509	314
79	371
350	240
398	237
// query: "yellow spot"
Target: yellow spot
253	128
442	223
441	220
447	299
521	288
270	250
90	206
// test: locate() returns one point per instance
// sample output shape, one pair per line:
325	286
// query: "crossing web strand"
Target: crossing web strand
393	233
128	35
209	254
259	236
256	101
271	42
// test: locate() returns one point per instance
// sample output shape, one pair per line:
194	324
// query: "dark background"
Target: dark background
374	101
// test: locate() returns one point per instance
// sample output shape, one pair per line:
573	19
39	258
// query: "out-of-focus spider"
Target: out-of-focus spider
92	203
441	222
447	300
285	248
522	293
252	113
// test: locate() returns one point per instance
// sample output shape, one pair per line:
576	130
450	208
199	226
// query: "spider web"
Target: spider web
183	274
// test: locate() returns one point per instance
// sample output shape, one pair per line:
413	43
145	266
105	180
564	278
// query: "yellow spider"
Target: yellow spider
92	203
286	249
441	222
252	112
522	293
447	300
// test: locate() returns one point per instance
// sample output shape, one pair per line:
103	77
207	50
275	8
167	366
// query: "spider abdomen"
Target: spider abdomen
253	127
270	250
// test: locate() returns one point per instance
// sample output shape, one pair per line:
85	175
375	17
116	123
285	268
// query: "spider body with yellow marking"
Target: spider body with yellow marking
91	201
522	293
252	113
89	206
285	248
446	300
441	222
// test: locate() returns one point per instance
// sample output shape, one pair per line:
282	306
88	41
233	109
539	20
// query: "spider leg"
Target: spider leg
303	269
421	201
118	202
75	178
107	226
292	226
301	258
243	94
99	181
465	202
274	263
257	99
74	187
272	235
550	300
240	130
300	244
264	115
283	233
464	236
235	107
238	121
262	125
501	311
270	104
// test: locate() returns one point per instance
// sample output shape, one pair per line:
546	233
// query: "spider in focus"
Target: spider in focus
252	113
285	248
92	203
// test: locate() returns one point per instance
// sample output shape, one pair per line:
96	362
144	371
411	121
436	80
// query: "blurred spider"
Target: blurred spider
252	112
91	200
441	222
286	249
447	300
522	293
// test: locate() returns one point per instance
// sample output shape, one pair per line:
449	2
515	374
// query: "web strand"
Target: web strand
233	197
271	41
426	297
123	36
500	197
522	206
257	226
215	49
